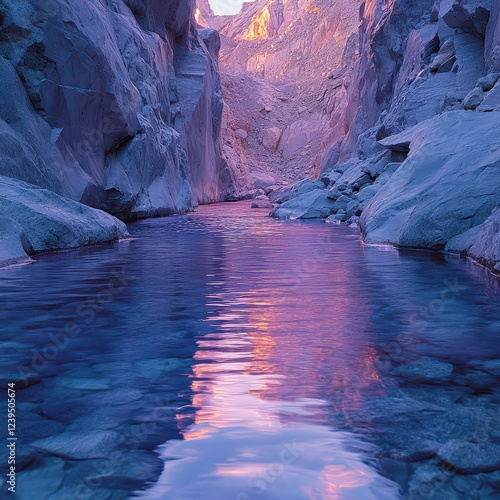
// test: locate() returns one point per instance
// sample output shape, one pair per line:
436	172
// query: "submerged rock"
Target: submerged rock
80	445
471	458
425	370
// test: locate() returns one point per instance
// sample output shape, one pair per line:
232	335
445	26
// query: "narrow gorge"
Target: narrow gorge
250	250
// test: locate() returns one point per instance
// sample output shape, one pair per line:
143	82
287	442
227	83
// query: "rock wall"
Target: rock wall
119	103
419	163
115	104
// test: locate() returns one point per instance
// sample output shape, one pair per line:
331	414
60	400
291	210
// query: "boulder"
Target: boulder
312	205
446	53
36	220
262	204
488	82
240	134
474	98
263	180
271	138
287	193
470	458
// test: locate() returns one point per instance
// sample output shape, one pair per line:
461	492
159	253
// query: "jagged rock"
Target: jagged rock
491	101
473	99
471	18
471	458
83	445
330	177
446	53
492	41
102	107
434	18
334	194
455	185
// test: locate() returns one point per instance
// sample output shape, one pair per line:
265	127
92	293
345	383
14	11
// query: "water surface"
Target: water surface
226	355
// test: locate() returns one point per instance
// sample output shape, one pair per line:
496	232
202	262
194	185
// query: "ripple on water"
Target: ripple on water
242	357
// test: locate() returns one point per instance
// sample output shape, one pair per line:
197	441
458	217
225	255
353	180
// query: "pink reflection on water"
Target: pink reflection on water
282	351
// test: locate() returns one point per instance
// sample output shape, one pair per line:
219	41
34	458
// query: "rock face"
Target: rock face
116	105
419	160
283	80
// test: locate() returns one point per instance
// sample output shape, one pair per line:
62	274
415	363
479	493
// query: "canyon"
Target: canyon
231	350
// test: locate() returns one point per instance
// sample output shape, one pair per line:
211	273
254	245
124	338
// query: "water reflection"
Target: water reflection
251	358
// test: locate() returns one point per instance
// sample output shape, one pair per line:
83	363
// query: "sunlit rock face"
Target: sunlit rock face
283	81
116	105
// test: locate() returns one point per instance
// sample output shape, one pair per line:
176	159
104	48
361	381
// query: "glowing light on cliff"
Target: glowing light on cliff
199	19
258	26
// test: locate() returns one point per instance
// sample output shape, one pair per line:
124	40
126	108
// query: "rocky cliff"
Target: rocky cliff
280	63
114	104
419	163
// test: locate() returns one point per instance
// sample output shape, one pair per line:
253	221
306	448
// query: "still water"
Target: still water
226	355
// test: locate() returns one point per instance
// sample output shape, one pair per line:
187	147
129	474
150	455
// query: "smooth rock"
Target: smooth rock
313	205
473	99
471	458
425	370
262	204
488	82
80	445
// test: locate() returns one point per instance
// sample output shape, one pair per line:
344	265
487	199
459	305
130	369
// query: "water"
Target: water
227	355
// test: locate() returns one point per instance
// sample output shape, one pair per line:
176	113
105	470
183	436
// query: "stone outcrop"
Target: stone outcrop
35	220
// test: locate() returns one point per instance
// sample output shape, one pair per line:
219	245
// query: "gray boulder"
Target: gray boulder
447	186
312	205
287	193
470	458
36	220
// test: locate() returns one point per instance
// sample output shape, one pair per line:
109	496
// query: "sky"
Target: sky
222	7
